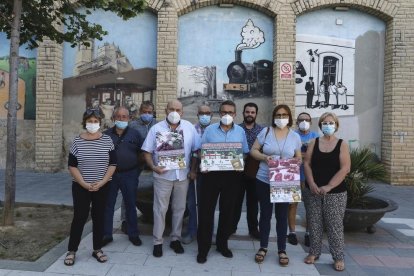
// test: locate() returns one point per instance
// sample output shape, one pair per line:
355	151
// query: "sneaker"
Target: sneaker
292	239
124	227
157	252
135	241
177	247
106	240
188	239
255	234
307	240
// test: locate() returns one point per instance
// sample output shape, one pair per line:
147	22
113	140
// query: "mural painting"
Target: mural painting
26	96
324	75
216	64
117	71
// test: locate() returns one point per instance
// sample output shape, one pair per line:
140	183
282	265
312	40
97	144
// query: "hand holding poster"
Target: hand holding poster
221	157
170	150
284	178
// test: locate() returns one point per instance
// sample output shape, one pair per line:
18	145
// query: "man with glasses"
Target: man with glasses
127	143
304	121
219	183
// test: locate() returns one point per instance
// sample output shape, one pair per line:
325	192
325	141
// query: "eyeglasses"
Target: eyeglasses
328	123
92	111
304	120
222	113
283	115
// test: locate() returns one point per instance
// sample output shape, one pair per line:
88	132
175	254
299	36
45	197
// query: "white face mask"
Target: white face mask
281	123
174	117
92	127
304	126
226	120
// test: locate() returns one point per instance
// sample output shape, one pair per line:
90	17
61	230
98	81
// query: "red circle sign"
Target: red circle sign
286	68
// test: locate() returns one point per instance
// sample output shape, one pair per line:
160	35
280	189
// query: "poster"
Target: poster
170	150
221	157
284	178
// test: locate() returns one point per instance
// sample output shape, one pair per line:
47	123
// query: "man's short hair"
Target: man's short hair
146	104
250	105
228	102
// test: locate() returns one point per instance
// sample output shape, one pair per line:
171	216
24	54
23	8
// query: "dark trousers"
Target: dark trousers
309	100
127	182
215	184
82	201
266	209
248	187
326	98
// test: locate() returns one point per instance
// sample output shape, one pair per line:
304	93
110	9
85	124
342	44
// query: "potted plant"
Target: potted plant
364	210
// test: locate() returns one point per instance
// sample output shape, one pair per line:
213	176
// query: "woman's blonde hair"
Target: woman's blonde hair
329	114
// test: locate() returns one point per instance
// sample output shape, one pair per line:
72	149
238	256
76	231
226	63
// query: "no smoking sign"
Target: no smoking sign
286	69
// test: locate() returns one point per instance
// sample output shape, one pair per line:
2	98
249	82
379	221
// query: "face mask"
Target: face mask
121	124
204	120
173	117
146	118
226	120
304	125
328	129
281	123
92	127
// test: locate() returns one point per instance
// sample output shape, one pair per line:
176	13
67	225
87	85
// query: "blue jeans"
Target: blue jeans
192	206
266	209
127	182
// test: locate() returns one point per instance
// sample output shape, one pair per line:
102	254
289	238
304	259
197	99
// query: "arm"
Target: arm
345	167
308	169
99	184
150	163
74	171
193	168
256	154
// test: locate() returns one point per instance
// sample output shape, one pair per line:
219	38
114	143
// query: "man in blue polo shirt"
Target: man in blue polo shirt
219	183
127	142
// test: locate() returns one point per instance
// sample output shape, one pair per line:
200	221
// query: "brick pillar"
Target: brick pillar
48	151
167	44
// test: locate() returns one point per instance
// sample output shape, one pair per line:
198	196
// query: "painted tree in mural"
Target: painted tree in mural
207	76
30	22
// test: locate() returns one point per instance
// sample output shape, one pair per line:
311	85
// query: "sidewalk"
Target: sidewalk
389	251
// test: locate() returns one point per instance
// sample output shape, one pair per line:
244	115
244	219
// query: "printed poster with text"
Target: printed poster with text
284	178
221	157
170	150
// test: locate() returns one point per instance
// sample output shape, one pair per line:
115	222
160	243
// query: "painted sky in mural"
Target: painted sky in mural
27	80
224	54
324	75
119	70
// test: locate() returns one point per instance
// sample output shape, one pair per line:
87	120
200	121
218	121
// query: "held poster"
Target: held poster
284	178
221	157
170	150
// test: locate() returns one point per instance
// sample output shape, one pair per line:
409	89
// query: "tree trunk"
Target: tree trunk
10	183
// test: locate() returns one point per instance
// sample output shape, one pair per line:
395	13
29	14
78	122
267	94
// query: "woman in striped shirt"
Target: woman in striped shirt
92	161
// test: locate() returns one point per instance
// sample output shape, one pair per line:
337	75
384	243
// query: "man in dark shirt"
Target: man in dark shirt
249	183
127	142
310	91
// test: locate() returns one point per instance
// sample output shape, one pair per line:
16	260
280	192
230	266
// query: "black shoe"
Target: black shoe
135	241
105	241
157	252
255	234
225	252
307	241
124	227
201	259
292	239
177	247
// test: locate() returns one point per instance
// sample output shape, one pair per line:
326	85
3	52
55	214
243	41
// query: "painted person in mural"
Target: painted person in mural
341	91
327	162
128	142
248	184
2	80
331	91
303	122
323	91
92	162
171	180
204	115
310	92
275	142
223	184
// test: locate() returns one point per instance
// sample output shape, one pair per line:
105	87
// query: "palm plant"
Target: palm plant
364	167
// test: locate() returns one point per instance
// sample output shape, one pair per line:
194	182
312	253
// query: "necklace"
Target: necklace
284	143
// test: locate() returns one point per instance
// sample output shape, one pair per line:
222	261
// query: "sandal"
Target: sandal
70	258
339	265
99	256
260	255
310	259
283	258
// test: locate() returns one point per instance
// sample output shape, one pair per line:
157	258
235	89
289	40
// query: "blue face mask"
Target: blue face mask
204	119
328	129
121	124
146	118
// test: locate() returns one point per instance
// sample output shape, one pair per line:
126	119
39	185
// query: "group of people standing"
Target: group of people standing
103	163
339	91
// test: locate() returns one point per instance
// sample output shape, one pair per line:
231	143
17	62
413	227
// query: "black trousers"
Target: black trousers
248	187
82	201
214	184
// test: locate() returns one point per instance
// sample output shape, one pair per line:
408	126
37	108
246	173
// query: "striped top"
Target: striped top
92	157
